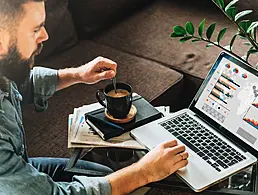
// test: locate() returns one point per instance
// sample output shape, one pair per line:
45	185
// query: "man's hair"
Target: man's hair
11	11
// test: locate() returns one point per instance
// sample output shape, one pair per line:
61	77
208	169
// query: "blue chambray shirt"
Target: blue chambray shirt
17	176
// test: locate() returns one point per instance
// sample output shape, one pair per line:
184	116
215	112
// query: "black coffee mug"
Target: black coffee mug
118	107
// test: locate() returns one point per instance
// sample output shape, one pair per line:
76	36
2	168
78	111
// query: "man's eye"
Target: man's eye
36	30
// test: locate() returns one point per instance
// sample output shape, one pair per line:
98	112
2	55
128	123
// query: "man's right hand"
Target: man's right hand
159	163
163	160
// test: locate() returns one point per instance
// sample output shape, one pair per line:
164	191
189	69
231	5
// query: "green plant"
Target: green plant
246	30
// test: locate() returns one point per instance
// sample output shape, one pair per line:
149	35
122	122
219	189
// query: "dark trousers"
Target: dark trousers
54	167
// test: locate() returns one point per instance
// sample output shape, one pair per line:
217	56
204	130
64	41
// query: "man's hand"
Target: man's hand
159	163
96	70
163	160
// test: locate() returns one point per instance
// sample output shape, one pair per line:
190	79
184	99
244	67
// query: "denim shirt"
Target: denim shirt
17	176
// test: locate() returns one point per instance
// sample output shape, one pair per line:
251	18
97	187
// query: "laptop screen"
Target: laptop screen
229	96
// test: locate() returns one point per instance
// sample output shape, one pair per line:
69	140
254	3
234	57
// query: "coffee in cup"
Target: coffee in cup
118	93
118	103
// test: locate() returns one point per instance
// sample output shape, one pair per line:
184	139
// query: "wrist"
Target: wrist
128	179
69	74
143	173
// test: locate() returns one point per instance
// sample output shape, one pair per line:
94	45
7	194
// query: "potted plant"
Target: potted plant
246	30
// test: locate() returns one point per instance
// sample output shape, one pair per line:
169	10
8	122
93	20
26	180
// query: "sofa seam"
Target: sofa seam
139	56
149	59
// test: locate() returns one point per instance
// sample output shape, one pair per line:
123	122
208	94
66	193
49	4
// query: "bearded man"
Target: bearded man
22	34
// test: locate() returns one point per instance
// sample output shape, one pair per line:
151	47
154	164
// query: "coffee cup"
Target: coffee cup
118	103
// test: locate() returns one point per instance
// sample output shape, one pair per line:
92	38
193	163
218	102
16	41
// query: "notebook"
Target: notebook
220	127
107	129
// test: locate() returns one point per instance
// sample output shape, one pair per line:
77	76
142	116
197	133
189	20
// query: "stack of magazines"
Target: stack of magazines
80	135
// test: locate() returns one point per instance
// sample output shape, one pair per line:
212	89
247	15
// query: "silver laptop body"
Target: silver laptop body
226	100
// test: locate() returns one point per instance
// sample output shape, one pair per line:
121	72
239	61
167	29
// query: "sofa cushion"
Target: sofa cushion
147	34
60	27
49	137
91	16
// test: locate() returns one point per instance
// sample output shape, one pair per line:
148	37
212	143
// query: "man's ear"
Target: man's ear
4	41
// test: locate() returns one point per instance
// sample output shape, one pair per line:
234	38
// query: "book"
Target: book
104	129
145	114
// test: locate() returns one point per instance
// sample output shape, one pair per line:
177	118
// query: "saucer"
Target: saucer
127	119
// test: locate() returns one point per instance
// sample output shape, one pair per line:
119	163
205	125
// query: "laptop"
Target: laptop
220	127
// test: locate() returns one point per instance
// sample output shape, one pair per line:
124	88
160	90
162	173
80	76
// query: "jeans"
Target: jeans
54	167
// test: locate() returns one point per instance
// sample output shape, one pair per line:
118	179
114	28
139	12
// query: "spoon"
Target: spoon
114	83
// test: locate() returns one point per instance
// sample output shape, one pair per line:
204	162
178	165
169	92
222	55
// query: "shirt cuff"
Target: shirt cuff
94	185
45	82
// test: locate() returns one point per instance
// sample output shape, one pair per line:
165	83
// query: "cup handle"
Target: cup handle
99	98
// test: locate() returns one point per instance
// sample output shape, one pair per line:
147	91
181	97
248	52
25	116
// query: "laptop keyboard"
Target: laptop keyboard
206	144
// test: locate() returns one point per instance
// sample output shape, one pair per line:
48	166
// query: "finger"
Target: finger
178	149
180	164
108	74
181	156
170	143
101	59
107	64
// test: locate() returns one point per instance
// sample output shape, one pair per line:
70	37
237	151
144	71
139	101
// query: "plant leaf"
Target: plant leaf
253	51
245	24
210	30
242	14
209	45
190	28
232	42
231	12
195	40
252	26
174	35
185	39
227	47
247	43
221	34
201	27
231	4
220	3
244	57
179	30
243	37
254	34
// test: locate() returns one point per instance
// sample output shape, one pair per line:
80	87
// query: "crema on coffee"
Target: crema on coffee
119	93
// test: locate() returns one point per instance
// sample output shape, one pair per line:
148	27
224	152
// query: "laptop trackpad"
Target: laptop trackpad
194	174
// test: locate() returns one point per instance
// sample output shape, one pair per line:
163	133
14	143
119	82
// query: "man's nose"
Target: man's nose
43	36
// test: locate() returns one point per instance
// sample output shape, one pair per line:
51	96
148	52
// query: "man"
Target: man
22	33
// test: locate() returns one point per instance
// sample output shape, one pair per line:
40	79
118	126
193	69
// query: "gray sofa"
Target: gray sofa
135	34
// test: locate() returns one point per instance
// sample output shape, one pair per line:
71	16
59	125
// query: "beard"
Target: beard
14	67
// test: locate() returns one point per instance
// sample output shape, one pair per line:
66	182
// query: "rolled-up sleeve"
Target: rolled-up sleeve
39	87
94	185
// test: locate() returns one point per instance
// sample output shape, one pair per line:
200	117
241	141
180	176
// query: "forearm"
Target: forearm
67	77
128	179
